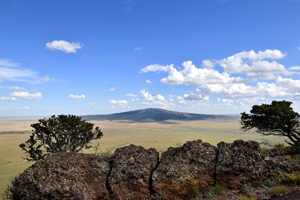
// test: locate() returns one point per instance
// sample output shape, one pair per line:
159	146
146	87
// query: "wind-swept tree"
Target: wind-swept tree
277	118
64	133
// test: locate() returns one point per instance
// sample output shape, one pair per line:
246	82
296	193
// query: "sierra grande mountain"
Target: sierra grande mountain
155	115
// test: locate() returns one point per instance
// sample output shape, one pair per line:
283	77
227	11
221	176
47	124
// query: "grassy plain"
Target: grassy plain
159	135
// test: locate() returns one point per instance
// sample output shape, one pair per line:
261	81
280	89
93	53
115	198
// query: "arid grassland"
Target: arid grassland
159	135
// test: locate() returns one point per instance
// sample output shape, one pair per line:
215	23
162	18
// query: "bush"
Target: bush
277	191
10	191
247	187
192	189
64	133
218	189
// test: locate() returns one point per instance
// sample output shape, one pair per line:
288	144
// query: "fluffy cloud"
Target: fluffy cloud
8	98
47	78
72	96
208	63
191	75
1	78
26	95
288	83
118	102
115	89
262	89
131	95
64	46
195	97
156	67
155	99
134	100
295	68
148	81
253	64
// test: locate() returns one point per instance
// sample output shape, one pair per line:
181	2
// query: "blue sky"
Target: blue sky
100	56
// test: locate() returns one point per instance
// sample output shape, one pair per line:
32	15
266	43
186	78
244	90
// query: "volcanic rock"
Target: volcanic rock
130	175
194	161
64	176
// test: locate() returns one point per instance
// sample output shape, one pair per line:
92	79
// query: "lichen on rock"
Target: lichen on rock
194	161
64	176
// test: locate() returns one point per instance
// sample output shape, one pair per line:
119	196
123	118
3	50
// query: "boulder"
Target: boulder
64	176
194	161
131	171
242	162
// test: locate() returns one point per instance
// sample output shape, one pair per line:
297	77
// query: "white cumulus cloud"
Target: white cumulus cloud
148	81
156	67
134	100
195	97
115	89
8	98
118	102
72	96
64	46
294	68
26	95
23	108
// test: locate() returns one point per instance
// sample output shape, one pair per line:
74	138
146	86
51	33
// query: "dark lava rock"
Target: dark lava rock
194	161
242	162
130	174
64	176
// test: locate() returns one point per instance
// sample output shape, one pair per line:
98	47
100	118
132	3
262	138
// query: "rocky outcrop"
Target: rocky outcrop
130	174
64	176
135	173
242	162
194	161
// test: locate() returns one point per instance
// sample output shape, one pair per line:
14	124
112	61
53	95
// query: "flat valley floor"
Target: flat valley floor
158	135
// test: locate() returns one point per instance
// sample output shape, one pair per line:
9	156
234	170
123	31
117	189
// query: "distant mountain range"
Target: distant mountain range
154	114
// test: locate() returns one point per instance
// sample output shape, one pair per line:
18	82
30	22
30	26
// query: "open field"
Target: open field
159	135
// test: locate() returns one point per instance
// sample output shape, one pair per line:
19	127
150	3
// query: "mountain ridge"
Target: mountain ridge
154	114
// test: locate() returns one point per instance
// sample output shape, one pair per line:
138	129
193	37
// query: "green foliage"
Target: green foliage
209	193
157	197
277	190
218	189
290	179
10	192
192	189
247	187
64	133
278	118
269	183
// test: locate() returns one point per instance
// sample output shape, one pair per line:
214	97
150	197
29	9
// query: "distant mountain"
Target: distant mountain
154	114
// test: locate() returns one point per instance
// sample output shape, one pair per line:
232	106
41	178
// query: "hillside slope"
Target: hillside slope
154	114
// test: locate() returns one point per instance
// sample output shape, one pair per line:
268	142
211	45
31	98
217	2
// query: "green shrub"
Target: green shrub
10	191
277	190
218	189
269	183
209	193
247	187
192	189
157	197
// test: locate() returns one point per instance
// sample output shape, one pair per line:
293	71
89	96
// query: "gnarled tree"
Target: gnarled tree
277	118
64	133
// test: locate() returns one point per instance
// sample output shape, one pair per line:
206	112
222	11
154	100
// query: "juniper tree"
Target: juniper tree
277	118
64	133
